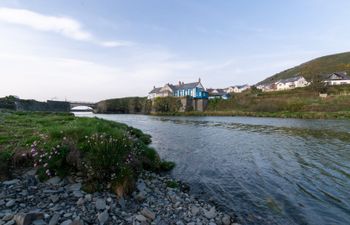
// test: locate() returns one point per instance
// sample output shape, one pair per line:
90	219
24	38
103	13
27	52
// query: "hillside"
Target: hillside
323	65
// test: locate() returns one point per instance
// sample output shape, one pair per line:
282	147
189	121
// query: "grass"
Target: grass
61	144
315	68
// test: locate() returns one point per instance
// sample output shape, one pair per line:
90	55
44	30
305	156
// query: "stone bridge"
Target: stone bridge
87	104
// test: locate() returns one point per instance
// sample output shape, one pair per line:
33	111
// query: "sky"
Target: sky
86	50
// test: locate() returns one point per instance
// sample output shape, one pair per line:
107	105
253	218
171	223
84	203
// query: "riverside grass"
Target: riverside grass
105	152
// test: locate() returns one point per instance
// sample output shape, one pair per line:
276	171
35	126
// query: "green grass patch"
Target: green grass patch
60	143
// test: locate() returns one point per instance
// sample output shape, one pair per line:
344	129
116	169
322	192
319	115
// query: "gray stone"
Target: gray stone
66	215
226	220
194	210
54	181
10	182
67	222
74	187
2	202
38	222
88	197
148	213
54	219
7	217
121	202
210	214
141	196
77	194
80	202
141	218
100	204
141	186
26	219
10	203
103	217
31	172
54	198
180	223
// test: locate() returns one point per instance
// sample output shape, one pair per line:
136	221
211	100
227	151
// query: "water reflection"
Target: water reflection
269	171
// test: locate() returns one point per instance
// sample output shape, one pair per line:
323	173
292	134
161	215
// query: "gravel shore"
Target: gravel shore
25	201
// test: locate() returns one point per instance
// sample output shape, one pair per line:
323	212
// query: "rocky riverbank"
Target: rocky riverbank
156	200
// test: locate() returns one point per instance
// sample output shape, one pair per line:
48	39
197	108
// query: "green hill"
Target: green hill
315	68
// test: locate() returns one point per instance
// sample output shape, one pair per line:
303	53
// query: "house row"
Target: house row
285	84
195	90
224	93
337	78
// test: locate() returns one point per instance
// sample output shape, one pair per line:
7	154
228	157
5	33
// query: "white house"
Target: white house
337	78
195	90
237	88
291	83
267	87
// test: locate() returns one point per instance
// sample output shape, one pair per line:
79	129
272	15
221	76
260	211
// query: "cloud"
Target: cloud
62	25
112	44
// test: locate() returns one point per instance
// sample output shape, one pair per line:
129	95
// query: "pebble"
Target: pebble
54	219
10	203
141	218
151	203
148	213
100	204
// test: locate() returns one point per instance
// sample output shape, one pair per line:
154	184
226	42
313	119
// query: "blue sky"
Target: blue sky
92	50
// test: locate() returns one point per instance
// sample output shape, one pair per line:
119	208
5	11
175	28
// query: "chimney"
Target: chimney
154	87
199	80
183	83
179	83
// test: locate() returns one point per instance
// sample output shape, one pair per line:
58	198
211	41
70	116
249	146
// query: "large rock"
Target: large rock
103	217
27	219
100	204
226	220
10	182
210	214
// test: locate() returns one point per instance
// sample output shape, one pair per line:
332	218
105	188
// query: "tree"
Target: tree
318	85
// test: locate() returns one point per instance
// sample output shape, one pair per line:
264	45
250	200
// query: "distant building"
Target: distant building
267	87
291	83
195	90
217	93
337	78
237	88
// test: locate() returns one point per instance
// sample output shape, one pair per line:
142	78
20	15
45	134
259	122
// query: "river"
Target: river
265	170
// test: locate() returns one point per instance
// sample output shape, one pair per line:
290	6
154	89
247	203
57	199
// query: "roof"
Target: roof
341	75
174	88
186	86
155	90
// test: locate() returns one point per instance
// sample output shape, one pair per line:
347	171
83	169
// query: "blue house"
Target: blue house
195	90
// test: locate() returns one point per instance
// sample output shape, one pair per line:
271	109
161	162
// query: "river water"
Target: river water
265	170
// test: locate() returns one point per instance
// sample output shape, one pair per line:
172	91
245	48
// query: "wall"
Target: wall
49	106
